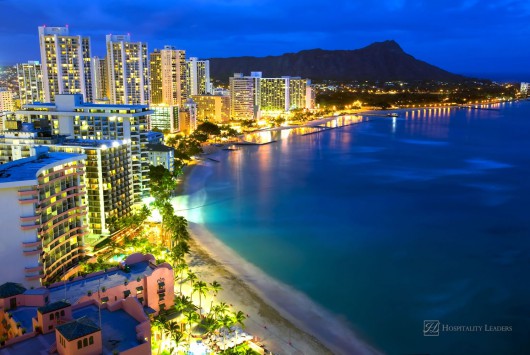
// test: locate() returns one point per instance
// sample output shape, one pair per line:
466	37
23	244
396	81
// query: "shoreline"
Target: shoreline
284	319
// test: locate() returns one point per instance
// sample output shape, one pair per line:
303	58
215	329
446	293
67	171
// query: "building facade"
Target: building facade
243	91
214	108
198	77
6	100
99	78
66	64
155	65
173	69
30	85
75	119
160	154
128	71
164	118
48	239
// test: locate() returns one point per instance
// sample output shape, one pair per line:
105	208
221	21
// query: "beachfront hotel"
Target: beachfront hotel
243	97
100	313
75	119
128	70
29	76
65	62
214	108
108	174
42	216
254	95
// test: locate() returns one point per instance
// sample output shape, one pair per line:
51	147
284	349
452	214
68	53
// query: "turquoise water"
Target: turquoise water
392	222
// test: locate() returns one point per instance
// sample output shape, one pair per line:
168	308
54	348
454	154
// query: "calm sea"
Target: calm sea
392	222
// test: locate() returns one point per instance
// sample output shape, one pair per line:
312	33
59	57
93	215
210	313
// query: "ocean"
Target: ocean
390	223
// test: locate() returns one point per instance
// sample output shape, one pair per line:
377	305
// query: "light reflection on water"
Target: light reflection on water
391	222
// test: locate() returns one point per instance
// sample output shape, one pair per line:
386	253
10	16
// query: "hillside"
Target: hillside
383	61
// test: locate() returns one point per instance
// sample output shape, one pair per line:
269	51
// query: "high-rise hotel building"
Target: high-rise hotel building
42	217
168	70
108	175
99	78
128	71
30	85
66	67
254	95
75	119
198	77
155	65
243	90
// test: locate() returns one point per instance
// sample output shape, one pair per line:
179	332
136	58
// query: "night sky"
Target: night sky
467	37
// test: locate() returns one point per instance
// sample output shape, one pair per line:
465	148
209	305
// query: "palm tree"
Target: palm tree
220	310
180	268
192	278
159	323
226	321
191	317
239	318
215	287
200	287
173	331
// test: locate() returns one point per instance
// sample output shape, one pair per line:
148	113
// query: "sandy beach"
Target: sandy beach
286	320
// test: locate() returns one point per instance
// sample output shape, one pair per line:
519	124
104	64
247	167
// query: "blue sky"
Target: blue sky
466	37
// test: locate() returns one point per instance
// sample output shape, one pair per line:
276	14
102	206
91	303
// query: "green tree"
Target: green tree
215	287
201	288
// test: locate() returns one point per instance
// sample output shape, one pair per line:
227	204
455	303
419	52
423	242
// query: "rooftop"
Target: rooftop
159	147
53	307
78	328
27	168
10	289
118	327
77	289
40	344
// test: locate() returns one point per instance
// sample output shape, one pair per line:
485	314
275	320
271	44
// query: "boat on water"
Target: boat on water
231	147
393	114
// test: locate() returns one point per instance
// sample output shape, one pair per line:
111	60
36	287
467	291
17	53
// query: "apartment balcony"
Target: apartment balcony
26	201
34	244
29	219
32	252
33	269
30	192
27	227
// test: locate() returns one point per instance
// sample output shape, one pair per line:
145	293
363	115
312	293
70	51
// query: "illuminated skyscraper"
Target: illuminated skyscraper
155	64
71	117
42	216
66	64
198	77
173	76
243	91
30	82
128	70
100	78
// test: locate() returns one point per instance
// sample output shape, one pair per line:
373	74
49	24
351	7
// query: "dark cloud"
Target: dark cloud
463	36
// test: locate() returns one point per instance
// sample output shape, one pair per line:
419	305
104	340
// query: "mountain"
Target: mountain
383	61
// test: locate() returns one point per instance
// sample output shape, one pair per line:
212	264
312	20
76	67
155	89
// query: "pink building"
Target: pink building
104	312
